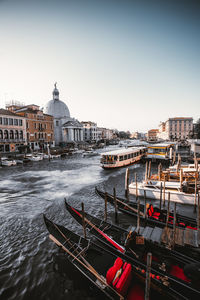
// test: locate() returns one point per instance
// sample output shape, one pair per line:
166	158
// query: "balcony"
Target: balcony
12	140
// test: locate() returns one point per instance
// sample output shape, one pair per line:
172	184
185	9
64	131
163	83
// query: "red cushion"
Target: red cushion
192	227
124	280
157	214
110	275
178	272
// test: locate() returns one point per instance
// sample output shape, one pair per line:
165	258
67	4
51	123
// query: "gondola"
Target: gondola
170	263
153	215
109	273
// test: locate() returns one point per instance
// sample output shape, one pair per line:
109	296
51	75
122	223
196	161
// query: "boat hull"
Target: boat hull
151	193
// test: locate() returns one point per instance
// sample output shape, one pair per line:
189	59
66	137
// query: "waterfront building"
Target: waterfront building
178	128
152	135
12	131
39	126
90	132
66	129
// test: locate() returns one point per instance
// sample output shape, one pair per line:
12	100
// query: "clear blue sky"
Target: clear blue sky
123	64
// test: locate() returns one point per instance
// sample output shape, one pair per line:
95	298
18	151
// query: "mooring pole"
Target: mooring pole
168	205
160	195
164	192
136	187
148	276
138	216
149	170
195	194
115	203
105	212
127	184
146	172
145	204
83	220
174	225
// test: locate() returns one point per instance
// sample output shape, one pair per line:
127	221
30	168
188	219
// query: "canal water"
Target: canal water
30	264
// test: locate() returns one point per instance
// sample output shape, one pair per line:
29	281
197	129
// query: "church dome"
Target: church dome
56	107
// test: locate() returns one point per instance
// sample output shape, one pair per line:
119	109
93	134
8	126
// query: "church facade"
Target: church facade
66	129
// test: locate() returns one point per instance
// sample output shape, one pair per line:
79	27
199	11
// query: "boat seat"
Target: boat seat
119	276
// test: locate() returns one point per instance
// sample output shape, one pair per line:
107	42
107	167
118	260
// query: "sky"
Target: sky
124	64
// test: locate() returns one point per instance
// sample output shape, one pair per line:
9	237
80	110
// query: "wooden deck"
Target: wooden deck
183	237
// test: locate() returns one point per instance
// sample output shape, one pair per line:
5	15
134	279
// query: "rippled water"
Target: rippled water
27	256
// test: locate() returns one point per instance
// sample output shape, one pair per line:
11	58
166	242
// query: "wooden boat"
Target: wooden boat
167	264
152	189
153	215
109	273
122	157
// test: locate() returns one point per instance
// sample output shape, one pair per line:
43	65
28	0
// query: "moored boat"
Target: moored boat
153	191
109	273
151	214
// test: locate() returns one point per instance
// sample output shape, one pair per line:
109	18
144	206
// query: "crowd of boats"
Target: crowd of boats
159	254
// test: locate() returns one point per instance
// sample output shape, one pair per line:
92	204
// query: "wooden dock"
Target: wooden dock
183	236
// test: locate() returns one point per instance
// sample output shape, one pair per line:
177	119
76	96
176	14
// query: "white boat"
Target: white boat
153	191
122	157
34	157
89	153
8	162
161	152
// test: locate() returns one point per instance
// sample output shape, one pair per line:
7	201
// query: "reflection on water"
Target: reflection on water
29	266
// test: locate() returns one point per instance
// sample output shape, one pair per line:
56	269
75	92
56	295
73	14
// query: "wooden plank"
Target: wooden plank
147	232
179	239
166	235
189	237
156	235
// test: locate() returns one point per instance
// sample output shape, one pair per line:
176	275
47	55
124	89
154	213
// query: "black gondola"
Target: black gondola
109	273
154	215
168	262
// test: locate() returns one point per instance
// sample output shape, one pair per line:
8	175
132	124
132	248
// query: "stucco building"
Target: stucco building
12	131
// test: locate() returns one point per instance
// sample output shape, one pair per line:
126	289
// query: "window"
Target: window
0	120
11	134
125	157
35	125
20	122
27	136
1	134
16	122
5	121
27	125
35	135
121	158
57	123
6	134
10	121
16	134
21	135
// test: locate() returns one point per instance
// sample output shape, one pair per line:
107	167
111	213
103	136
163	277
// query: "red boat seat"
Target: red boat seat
119	276
150	210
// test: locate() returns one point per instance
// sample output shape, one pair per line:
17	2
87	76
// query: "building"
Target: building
66	129
152	135
177	128
90	132
39	126
12	131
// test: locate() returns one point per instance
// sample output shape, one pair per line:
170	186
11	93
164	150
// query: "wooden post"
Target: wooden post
138	216
136	187
160	195
115	203
127	184
149	170
195	195
145	204
148	276
164	192
159	172
105	213
181	179
174	157
174	224
83	220
146	171
198	213
168	206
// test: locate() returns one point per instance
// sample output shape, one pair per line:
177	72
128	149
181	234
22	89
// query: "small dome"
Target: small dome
57	109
